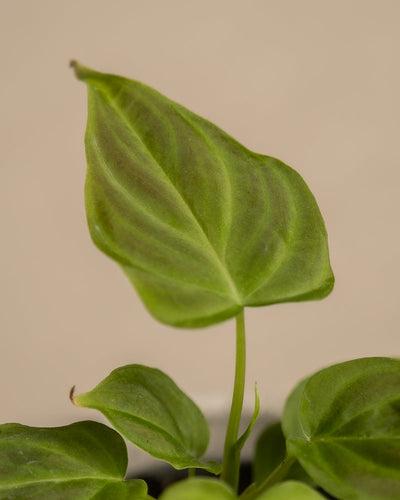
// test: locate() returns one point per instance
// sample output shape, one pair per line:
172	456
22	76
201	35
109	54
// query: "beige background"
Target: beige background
312	82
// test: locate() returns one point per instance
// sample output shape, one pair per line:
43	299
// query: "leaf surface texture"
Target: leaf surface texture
201	226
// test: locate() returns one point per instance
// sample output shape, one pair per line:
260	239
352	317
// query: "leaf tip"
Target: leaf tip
72	397
81	72
75	66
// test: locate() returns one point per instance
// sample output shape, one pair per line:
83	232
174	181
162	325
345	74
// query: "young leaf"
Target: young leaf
270	453
133	489
199	489
82	461
290	490
246	434
211	489
148	408
201	226
343	425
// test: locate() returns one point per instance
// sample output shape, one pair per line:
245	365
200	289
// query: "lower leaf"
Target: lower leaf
343	425
150	410
82	461
199	489
127	490
290	490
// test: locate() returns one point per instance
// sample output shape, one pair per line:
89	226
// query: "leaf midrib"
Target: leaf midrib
121	258
344	388
328	439
72	459
221	161
231	284
138	384
172	439
22	484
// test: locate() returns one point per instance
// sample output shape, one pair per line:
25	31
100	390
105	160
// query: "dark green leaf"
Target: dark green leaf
270	453
82	461
147	407
199	489
343	425
201	226
290	490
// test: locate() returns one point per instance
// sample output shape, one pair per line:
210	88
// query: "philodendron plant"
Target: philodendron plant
203	228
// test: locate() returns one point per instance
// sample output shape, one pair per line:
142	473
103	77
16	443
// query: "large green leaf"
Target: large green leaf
82	461
148	408
201	225
343	425
199	489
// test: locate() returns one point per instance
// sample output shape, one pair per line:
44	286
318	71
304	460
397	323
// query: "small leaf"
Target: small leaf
199	489
201	226
270	453
343	425
127	490
77	462
148	408
244	437
290	490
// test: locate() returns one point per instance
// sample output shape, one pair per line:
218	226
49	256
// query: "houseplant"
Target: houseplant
204	228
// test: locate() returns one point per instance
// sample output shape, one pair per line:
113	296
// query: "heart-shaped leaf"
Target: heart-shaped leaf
343	425
82	461
148	408
290	490
199	489
201	226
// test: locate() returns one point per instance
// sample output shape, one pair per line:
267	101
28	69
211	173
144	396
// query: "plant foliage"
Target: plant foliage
343	425
203	228
81	461
158	417
201	225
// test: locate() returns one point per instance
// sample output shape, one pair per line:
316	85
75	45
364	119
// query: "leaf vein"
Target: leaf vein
223	269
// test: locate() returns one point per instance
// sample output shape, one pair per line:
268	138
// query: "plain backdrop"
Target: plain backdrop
314	83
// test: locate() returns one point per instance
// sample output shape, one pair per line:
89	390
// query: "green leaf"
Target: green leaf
201	226
148	408
343	425
246	434
199	489
270	453
290	490
133	489
82	461
212	489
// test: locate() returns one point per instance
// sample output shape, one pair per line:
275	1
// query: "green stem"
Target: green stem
231	461
276	476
